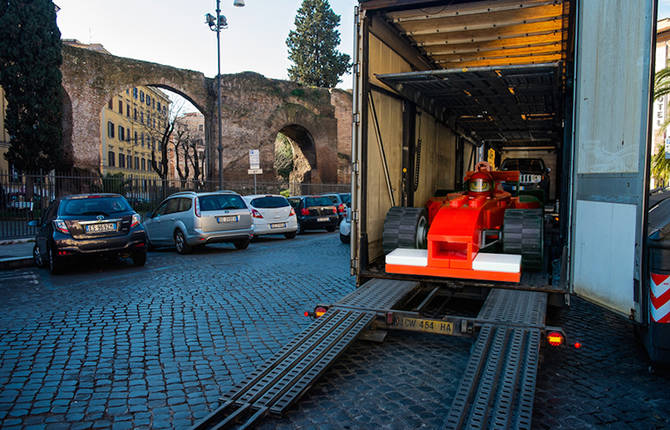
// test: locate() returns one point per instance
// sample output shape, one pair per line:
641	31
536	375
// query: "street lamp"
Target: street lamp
218	23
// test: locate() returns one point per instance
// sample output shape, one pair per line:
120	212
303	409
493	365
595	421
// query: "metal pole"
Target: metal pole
218	89
255	184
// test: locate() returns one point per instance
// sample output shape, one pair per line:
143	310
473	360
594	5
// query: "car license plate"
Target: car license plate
223	219
101	228
431	326
324	219
278	225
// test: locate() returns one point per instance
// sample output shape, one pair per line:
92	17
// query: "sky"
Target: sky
173	32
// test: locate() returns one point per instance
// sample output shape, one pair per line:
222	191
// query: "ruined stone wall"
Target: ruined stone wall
342	101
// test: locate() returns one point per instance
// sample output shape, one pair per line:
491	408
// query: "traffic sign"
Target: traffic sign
255	171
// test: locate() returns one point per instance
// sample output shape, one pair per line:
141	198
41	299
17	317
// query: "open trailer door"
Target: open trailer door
612	100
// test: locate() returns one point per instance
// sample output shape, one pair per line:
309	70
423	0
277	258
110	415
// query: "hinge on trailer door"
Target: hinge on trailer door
354	264
354	166
356	118
356	68
354	215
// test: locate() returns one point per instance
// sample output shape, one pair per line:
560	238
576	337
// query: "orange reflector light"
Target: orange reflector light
319	311
578	345
555	338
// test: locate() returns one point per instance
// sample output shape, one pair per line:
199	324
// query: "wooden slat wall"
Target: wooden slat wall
438	156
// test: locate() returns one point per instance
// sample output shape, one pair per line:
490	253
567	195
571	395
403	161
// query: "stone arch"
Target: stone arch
92	78
304	152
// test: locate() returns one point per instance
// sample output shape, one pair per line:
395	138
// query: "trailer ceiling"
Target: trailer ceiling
505	106
498	66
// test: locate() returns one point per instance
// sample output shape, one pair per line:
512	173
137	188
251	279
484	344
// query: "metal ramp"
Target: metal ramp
281	380
497	389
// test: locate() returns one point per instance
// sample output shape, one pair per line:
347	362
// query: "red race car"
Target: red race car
462	235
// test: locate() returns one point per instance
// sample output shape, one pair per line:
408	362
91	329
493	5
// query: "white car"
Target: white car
345	227
272	214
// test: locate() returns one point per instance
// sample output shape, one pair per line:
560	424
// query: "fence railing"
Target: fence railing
25	197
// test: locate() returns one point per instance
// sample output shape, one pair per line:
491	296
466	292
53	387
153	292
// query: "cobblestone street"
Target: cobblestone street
114	346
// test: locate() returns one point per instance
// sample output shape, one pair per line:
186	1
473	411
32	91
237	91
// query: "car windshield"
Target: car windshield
269	202
523	164
346	198
94	206
218	202
317	201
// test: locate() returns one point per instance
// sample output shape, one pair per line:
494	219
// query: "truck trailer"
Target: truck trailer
443	92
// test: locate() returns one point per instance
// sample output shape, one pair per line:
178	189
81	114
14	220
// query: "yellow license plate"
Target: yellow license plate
430	326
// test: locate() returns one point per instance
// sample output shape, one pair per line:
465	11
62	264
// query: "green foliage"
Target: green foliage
660	167
283	157
30	59
298	92
286	193
312	46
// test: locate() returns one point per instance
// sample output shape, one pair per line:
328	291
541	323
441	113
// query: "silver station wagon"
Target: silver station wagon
189	219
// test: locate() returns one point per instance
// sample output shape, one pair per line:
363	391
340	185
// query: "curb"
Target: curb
16	262
16	241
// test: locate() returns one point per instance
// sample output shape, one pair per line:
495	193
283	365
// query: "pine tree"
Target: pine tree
313	44
30	59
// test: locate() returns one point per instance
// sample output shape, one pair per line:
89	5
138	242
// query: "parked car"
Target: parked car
534	179
88	224
189	219
345	227
272	214
314	213
341	201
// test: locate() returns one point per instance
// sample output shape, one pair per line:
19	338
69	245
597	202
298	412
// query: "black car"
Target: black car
88	224
341	202
534	178
314	213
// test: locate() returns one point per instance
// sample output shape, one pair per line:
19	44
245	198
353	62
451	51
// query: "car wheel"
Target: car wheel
37	256
345	239
241	244
330	229
139	258
180	243
55	264
290	235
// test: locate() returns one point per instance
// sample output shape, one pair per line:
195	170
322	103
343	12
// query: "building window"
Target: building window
141	96
144	164
142	139
122	160
137	163
122	136
135	114
154	122
148	100
153	143
110	159
110	129
110	104
127	110
121	107
127	135
149	118
135	138
135	92
127	90
142	117
153	103
158	106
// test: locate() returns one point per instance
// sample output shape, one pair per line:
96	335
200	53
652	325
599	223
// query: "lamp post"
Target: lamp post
218	23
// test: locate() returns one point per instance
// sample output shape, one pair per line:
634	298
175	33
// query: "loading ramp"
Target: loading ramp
496	390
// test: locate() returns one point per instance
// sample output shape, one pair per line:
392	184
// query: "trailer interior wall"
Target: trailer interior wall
437	152
387	114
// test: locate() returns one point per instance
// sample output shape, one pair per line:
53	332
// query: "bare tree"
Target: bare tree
181	147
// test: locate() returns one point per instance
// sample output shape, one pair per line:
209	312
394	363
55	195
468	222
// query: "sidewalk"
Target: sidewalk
16	253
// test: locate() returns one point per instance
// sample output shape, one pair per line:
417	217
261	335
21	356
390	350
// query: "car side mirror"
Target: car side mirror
548	169
33	223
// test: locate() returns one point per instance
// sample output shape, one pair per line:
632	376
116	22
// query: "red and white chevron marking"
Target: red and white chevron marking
660	298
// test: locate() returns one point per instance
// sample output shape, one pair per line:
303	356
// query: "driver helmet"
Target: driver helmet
481	183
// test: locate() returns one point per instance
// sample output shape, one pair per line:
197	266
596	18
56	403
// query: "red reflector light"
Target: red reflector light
304	211
256	214
334	210
306	313
578	345
555	338
319	311
64	253
341	208
292	213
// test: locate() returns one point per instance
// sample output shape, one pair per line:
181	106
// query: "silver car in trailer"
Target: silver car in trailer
189	219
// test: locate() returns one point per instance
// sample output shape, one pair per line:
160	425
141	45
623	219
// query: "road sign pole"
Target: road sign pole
255	184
